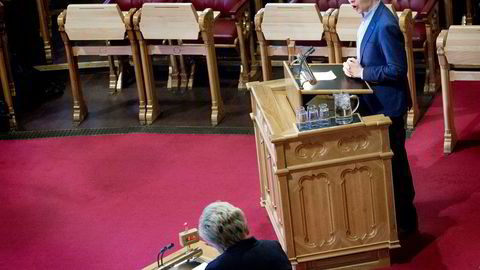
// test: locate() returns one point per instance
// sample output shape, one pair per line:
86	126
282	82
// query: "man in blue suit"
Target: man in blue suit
381	61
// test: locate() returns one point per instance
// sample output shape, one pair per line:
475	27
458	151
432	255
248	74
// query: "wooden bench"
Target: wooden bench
290	23
93	22
344	23
176	21
459	58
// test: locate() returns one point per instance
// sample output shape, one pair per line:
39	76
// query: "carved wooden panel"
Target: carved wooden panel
339	207
334	146
312	205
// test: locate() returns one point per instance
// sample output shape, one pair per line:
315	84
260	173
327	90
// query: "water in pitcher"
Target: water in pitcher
343	109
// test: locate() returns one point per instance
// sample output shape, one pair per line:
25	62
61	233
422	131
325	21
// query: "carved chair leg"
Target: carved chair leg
206	30
44	29
183	70
469	11
112	75
137	64
121	73
152	110
244	69
450	134
432	77
173	74
218	111
191	76
6	90
80	110
253	49
266	61
6	55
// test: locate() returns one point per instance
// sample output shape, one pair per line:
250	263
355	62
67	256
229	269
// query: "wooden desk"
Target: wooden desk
328	192
209	254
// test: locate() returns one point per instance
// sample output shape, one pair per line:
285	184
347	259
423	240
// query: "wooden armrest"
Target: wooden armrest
405	21
258	19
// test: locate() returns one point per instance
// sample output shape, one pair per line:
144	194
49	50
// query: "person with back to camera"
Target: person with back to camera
224	227
381	61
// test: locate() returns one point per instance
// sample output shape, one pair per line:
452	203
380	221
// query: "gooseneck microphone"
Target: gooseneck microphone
160	254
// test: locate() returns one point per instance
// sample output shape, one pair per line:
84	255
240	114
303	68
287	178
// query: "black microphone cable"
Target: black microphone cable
160	254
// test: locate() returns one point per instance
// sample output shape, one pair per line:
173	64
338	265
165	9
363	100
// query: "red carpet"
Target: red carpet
112	202
447	187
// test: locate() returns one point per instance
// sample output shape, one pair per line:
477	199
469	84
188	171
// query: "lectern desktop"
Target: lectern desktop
296	86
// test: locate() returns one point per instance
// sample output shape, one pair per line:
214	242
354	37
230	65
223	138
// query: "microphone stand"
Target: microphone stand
161	253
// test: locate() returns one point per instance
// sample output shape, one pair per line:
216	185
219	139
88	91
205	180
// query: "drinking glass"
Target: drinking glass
323	114
301	118
313	116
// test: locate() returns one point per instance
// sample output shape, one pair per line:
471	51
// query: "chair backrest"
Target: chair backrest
128	4
292	21
223	6
169	21
462	45
324	5
414	5
348	23
94	22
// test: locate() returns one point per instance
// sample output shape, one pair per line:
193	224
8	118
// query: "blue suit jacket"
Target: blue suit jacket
385	65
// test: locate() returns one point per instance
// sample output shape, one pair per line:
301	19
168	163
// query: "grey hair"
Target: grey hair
222	225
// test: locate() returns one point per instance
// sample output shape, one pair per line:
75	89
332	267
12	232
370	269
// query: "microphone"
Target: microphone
167	247
162	251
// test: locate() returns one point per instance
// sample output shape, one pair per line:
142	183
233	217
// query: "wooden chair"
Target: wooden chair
343	25
425	30
459	59
6	77
179	21
233	29
290	23
177	71
94	22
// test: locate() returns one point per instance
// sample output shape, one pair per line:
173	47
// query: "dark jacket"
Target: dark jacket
252	254
385	65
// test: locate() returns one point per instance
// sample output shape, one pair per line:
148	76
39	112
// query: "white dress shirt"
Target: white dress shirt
367	18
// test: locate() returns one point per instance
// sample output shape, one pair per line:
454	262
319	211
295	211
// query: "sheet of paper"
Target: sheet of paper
324	76
320	76
201	266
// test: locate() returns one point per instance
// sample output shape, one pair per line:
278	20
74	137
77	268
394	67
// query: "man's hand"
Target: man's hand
352	68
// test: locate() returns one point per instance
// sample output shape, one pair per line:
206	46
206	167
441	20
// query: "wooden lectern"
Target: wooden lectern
328	192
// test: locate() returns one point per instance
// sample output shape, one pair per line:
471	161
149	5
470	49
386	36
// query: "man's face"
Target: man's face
361	5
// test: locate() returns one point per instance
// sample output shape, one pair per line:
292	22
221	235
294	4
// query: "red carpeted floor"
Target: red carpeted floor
111	202
447	187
